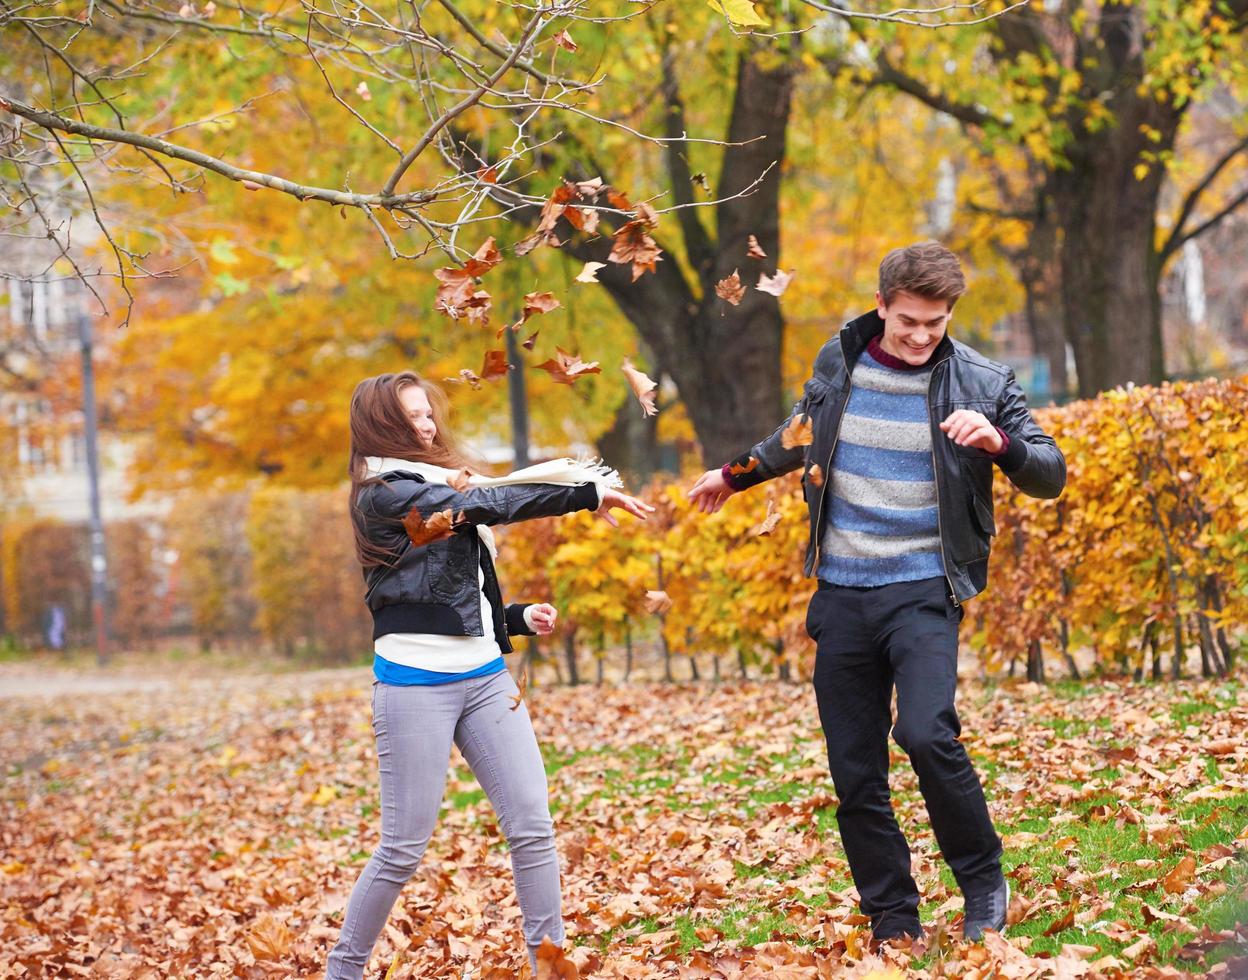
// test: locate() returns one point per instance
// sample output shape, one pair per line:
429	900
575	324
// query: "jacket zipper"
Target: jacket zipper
827	470
940	530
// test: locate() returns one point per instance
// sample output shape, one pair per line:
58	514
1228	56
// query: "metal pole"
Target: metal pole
99	558
519	400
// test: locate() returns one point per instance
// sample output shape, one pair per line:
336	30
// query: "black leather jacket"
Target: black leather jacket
434	588
961	378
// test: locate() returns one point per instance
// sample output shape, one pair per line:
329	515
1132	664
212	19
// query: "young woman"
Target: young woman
440	630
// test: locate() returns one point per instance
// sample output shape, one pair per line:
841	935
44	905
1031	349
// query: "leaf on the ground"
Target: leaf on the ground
552	964
799	432
777	284
769	522
643	387
657	601
754	250
495	365
730	289
1063	921
1180	876
590	272
566	368
522	687
633	245
438	527
268	939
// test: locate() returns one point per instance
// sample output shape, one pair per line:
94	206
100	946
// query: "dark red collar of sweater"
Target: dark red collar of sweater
885	358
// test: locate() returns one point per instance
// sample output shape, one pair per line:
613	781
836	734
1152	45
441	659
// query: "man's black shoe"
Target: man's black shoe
986	911
906	931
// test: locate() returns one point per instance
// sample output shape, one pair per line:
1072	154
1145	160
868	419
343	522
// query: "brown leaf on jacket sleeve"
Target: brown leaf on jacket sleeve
815	476
439	526
799	432
738	469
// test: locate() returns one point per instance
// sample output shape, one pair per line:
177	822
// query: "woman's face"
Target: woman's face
416	406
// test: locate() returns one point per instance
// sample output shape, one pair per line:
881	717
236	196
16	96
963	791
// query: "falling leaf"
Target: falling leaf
528	344
737	469
458	297
618	199
362	91
466	376
700	179
754	250
438	527
495	366
565	368
1181	876
484	259
815	476
1063	921
769	522
634	244
210	10
522	686
590	272
461	481
564	40
552	964
268	939
643	388
657	601
535	303
799	432
589	188
730	289
487	175
186	11
775	285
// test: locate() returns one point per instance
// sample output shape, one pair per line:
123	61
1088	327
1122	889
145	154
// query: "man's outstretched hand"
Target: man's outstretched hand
968	428
710	492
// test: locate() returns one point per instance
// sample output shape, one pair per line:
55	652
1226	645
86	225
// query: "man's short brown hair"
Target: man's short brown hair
926	269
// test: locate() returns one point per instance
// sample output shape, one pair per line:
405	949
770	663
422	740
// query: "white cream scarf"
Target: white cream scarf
558	472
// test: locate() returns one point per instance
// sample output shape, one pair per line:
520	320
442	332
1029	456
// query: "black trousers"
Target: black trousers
870	640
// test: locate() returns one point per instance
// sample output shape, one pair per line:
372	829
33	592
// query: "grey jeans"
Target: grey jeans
414	727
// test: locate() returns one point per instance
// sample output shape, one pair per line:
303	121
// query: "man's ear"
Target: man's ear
880	306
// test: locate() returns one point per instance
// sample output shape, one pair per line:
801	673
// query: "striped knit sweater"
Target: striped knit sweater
882	524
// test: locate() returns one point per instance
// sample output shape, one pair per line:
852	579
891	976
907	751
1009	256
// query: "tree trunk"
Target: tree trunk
1035	662
1038	270
569	652
628	648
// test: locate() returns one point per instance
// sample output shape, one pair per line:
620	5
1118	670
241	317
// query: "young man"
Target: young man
907	426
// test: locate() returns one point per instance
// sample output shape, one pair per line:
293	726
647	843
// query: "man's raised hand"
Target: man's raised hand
968	428
710	492
612	499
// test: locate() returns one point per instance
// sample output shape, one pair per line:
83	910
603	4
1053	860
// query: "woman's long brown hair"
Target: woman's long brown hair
380	427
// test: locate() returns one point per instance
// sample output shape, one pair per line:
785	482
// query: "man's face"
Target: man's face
913	326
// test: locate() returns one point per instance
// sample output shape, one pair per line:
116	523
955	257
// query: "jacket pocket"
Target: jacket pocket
983	515
446	567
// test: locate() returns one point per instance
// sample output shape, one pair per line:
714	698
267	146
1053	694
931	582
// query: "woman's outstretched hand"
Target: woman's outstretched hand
710	492
542	618
612	499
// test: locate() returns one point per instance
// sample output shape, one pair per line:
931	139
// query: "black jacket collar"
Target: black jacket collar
857	334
